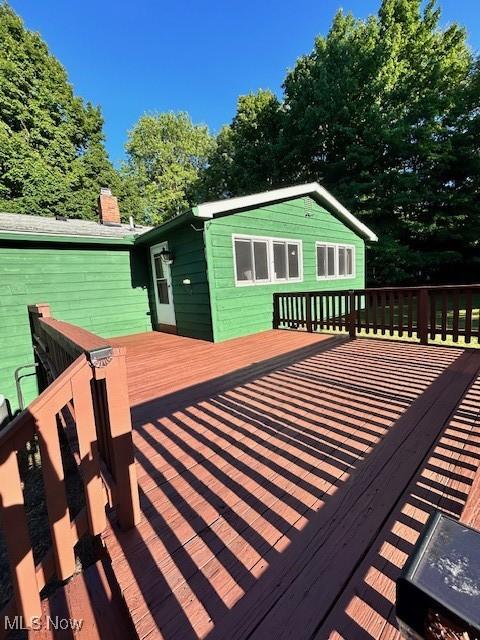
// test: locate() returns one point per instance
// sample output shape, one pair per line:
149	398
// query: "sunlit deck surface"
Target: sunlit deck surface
284	479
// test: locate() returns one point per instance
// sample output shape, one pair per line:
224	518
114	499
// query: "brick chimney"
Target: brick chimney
108	210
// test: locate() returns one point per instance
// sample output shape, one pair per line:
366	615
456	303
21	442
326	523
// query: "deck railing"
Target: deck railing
436	313
84	395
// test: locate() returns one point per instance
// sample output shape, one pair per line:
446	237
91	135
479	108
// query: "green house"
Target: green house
208	273
216	267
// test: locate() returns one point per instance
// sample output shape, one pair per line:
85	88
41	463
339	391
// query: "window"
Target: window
335	260
286	260
264	260
160	280
279	261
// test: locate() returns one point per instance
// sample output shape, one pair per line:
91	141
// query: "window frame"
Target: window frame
269	240
337	246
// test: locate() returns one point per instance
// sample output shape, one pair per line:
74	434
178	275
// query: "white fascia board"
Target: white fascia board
313	189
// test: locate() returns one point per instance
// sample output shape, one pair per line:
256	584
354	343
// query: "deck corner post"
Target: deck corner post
422	315
276	310
308	312
121	441
352	315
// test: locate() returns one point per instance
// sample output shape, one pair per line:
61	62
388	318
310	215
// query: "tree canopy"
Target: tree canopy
52	157
384	113
166	153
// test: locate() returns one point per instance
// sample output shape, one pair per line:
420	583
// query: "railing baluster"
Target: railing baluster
391	310
468	316
422	316
383	304
400	313
308	313
17	540
433	315
374	312
88	450
444	314
56	497
352	314
321	311
456	310
367	312
409	314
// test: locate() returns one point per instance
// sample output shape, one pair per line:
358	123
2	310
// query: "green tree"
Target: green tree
382	99
246	155
52	156
384	112
166	153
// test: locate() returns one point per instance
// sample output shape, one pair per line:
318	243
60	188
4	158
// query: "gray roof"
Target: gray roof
21	223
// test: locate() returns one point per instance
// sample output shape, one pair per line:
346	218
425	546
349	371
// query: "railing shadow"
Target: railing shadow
238	477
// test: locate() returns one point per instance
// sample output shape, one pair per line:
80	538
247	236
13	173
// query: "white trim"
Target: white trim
313	189
165	312
271	277
337	246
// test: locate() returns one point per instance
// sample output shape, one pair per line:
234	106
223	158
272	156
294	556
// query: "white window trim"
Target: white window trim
337	246
271	278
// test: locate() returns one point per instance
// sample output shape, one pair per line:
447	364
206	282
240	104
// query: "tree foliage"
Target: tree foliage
52	158
166	153
246	156
385	113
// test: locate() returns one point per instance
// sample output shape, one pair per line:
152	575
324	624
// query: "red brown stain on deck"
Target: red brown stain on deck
253	476
284	480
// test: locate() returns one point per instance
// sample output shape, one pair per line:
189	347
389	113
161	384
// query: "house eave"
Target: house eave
312	189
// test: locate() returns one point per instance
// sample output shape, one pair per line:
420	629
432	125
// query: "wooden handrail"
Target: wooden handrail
423	312
84	393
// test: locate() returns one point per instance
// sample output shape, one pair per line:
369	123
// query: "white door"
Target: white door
162	285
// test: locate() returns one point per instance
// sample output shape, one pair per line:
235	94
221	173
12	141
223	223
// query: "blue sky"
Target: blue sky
149	55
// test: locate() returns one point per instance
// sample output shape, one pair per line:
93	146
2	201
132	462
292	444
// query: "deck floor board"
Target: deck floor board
284	479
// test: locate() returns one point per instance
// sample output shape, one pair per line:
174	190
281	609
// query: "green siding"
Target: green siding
239	311
101	289
192	302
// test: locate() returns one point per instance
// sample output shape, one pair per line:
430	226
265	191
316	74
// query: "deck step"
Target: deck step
91	600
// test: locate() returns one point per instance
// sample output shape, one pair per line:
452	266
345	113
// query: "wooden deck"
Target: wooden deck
284	479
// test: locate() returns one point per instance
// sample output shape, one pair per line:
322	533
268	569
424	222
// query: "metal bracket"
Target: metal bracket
101	357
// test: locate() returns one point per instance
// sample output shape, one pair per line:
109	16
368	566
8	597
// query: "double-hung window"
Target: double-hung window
335	261
263	260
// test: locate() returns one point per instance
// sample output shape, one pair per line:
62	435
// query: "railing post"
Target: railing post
17	541
110	366
308	312
422	315
55	493
352	315
276	310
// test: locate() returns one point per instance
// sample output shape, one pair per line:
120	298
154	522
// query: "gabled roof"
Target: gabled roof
38	227
312	189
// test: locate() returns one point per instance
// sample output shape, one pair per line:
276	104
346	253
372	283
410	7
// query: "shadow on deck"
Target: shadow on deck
281	497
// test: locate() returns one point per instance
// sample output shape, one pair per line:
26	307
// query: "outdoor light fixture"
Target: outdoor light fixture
166	256
438	593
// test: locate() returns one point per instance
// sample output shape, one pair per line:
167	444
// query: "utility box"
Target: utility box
438	593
